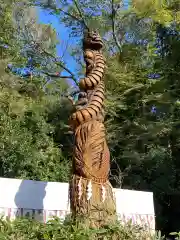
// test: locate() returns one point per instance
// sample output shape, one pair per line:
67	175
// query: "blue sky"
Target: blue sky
63	36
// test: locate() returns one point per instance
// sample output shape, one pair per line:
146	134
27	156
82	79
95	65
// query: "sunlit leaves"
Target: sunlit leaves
27	146
154	9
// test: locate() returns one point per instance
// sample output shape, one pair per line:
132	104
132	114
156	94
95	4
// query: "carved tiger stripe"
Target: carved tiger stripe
94	147
101	65
94	108
94	80
96	104
96	160
79	116
83	135
100	89
97	75
99	56
98	99
86	114
91	111
100	60
100	96
97	150
78	145
94	75
99	69
98	141
88	82
97	132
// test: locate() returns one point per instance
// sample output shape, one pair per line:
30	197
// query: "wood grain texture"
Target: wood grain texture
91	158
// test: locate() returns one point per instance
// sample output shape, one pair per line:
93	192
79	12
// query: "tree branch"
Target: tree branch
65	13
62	66
69	71
114	26
119	175
55	9
81	14
52	7
55	75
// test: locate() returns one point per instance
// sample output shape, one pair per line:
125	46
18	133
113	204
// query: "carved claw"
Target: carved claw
82	95
71	100
82	100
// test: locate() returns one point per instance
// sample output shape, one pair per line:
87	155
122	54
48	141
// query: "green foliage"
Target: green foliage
140	140
25	229
29	147
7	29
176	234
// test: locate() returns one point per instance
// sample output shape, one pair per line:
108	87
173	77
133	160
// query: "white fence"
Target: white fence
43	200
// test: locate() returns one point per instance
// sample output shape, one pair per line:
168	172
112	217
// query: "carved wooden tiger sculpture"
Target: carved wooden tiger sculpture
90	191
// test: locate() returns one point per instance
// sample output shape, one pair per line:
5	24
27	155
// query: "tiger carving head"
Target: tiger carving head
92	40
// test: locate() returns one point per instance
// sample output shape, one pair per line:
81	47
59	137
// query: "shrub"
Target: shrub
26	229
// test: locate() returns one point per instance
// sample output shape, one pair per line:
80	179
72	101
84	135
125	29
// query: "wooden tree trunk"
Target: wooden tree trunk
94	212
91	194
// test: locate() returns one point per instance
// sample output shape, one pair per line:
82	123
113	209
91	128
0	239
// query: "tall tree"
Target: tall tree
27	146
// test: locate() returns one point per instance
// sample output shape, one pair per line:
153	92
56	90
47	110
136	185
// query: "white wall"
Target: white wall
135	205
46	199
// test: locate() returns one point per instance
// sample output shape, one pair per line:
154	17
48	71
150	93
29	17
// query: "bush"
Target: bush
26	229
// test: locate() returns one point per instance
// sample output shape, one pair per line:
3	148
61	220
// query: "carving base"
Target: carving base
99	210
